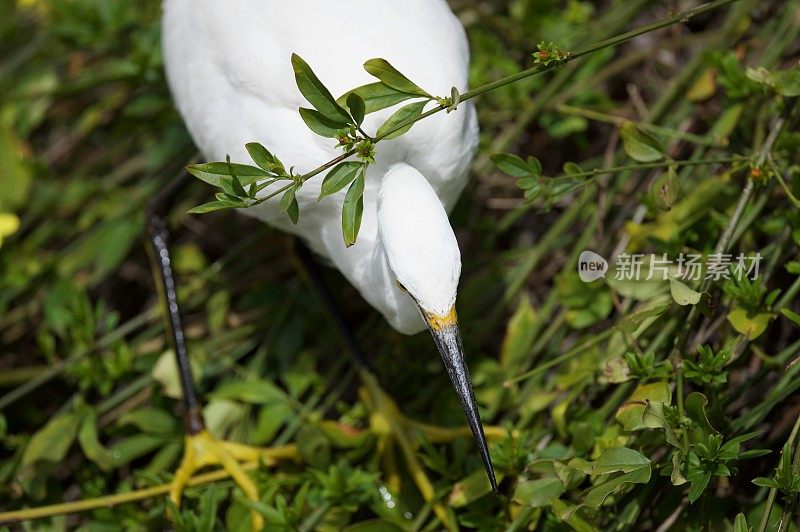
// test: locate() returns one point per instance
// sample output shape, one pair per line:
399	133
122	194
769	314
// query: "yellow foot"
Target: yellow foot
395	429
202	450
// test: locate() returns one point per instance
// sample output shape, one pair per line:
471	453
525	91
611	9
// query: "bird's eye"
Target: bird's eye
400	285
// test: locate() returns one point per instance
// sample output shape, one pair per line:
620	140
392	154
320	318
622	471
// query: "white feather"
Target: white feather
419	242
228	65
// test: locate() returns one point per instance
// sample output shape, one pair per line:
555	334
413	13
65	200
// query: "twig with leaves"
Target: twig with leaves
341	119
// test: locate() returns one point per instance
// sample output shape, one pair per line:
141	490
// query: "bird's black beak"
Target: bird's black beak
447	336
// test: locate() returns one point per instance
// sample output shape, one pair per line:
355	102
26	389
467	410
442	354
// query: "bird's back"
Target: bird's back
228	65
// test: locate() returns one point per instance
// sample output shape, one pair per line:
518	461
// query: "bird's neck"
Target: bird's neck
395	304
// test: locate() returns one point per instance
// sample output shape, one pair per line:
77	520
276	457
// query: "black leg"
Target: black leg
158	233
312	270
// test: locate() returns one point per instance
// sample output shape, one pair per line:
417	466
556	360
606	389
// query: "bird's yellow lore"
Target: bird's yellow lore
437	323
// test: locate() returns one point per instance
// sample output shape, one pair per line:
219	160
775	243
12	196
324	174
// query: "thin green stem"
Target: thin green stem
272	195
783	184
618	121
646	166
683	17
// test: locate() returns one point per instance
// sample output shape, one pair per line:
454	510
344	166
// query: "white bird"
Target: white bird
228	66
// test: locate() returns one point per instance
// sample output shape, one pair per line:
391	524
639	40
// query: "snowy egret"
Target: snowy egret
228	66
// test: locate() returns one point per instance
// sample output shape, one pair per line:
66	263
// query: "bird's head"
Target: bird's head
424	257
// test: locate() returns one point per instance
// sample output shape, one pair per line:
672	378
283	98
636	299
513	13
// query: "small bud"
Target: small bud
366	151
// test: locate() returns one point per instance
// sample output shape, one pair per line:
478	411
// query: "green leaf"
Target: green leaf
682	294
320	124
596	495
212	173
217	309
784	82
87	438
752	453
740	523
631	414
566	512
236	184
214	206
339	177
642	314
699	485
654	417
220	415
529	183
538	493
676	476
260	391
270	419
230	198
165	457
52	441
765	482
470	489
287	198
534	165
401	116
289	204
519	336
734	443
696	404
514	166
261	156
635	468
572	169
316	93
129	449
794	316
750	325
390	76
314	446
150	420
376	96
665	190
352	211
640	146
357	107
616	459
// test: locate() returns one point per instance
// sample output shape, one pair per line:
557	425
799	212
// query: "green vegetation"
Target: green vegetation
626	405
